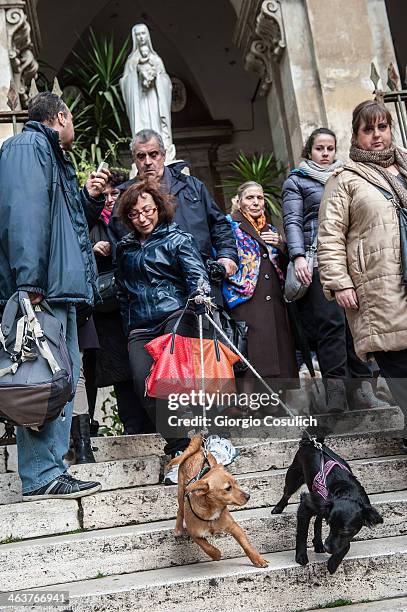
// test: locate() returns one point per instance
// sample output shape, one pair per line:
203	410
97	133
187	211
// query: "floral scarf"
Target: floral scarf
241	286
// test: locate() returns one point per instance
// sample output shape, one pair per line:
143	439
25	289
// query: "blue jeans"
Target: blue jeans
40	453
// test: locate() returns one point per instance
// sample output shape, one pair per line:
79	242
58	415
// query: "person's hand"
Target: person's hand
272	238
96	183
102	248
35	298
302	271
230	266
347	298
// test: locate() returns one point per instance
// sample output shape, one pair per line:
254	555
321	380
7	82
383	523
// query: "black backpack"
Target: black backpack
35	366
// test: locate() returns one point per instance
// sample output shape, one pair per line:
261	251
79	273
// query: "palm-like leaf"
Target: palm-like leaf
100	117
263	169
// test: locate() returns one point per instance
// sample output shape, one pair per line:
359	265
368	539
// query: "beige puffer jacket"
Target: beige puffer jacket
359	247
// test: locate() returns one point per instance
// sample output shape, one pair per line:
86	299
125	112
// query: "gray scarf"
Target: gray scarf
379	161
317	172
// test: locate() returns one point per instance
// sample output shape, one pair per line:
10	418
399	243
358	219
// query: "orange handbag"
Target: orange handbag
177	366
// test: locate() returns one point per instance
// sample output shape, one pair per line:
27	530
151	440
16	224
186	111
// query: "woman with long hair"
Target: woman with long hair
324	322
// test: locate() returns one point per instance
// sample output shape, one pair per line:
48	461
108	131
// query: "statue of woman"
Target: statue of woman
147	89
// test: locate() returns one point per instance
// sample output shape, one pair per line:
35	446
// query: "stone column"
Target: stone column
314	61
19	43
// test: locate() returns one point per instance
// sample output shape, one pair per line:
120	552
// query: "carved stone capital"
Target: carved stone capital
261	36
20	48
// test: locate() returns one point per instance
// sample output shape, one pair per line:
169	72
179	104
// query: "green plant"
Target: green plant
338	603
100	575
10	539
263	169
113	425
96	102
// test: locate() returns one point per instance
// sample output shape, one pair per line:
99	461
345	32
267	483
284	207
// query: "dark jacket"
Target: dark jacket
196	213
301	199
155	278
44	238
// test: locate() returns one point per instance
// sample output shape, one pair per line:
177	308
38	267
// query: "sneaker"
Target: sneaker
222	449
63	487
171	477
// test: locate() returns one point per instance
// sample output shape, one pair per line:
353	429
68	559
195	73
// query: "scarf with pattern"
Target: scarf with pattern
318	172
380	161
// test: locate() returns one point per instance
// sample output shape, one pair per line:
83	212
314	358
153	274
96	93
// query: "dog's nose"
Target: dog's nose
247	495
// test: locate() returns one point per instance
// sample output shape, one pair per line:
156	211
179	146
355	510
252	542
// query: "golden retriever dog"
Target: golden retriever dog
205	490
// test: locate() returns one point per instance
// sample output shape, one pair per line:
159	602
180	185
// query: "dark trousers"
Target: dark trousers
140	364
329	335
131	413
393	367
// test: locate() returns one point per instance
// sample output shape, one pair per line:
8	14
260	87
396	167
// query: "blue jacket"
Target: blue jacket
44	238
302	196
196	213
156	278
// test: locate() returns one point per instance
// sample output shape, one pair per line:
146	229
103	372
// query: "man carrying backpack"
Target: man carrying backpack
45	250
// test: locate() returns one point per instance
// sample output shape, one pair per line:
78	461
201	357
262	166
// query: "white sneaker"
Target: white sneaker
171	477
222	449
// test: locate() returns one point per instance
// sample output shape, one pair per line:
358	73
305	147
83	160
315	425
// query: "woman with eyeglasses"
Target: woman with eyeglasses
158	268
109	365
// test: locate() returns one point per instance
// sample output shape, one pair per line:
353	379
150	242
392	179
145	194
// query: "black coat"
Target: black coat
112	360
301	199
156	277
196	213
44	238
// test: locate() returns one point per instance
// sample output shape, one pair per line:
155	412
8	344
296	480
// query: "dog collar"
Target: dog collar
187	495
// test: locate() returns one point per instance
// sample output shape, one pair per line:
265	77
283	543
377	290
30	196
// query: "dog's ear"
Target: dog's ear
316	503
200	487
371	516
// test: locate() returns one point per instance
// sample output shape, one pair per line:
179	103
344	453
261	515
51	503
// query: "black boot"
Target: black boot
80	432
335	396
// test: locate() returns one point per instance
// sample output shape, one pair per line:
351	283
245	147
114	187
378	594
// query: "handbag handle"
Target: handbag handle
174	331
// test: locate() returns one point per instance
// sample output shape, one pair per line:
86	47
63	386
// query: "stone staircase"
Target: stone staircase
115	551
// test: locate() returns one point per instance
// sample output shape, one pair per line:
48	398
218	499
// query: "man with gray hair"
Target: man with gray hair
196	213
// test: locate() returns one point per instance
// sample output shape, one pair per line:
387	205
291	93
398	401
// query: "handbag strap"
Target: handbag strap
28	330
174	331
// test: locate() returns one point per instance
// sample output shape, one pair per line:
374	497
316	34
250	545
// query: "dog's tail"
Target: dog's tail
194	446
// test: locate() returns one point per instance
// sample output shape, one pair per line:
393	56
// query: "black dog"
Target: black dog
338	497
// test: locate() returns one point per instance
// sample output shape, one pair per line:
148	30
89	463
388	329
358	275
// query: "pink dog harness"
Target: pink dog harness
319	482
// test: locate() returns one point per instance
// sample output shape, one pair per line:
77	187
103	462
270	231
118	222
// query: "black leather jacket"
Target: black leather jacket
155	278
196	213
301	200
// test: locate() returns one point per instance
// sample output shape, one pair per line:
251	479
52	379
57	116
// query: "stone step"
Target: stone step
81	556
397	604
3	455
109	448
108	509
375	569
274	454
254	455
156	503
120	474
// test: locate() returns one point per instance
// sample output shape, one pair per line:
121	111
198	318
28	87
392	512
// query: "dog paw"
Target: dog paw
302	558
259	562
277	510
178	532
216	555
332	566
319	548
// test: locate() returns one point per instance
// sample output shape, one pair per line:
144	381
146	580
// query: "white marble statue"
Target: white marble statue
147	89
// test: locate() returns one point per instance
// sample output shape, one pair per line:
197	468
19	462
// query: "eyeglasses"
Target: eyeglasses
147	212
